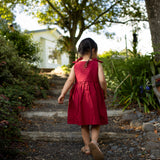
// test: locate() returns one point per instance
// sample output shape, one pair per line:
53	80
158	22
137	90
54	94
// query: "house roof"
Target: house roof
44	30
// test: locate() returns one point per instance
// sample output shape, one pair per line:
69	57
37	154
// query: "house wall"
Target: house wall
48	41
65	59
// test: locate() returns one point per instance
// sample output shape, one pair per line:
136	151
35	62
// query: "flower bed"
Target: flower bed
20	84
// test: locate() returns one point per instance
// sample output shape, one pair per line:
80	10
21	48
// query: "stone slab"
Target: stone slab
148	127
44	114
49	101
74	136
61	113
152	145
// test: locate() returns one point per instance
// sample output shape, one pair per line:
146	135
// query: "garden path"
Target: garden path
47	136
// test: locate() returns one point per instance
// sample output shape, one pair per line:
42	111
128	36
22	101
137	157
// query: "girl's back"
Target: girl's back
86	102
89	73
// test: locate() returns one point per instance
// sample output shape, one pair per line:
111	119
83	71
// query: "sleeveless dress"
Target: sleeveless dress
86	101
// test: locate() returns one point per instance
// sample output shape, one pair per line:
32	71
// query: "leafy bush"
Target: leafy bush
16	71
131	80
66	69
9	124
23	43
113	64
20	83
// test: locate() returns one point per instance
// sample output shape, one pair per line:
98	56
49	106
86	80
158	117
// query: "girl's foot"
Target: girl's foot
95	151
85	150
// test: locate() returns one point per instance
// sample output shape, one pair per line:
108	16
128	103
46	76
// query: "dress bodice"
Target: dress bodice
86	74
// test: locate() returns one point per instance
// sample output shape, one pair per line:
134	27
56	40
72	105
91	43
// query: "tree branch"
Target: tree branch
69	13
124	22
54	8
78	17
83	2
64	4
101	15
82	28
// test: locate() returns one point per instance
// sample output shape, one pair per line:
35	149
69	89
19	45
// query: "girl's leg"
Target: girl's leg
95	150
95	132
85	135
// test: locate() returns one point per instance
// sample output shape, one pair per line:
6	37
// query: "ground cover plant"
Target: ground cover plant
22	42
130	78
20	84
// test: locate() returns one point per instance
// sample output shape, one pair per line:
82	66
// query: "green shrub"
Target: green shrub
23	43
19	95
112	66
131	80
20	83
18	75
9	126
66	69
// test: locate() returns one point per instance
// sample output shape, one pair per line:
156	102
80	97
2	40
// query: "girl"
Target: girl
86	102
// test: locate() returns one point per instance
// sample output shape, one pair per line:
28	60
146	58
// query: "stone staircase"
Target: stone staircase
46	123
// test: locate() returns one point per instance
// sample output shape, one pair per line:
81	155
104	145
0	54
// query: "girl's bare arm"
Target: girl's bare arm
102	79
67	85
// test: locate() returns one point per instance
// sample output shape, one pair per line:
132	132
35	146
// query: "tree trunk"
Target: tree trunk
72	53
72	50
153	10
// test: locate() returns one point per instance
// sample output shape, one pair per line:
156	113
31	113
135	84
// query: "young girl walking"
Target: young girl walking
86	102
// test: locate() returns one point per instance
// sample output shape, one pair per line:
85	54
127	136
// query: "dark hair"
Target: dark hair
85	46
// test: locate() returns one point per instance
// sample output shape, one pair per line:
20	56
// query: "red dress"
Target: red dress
86	101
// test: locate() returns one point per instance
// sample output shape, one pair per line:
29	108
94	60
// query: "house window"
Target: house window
51	56
54	56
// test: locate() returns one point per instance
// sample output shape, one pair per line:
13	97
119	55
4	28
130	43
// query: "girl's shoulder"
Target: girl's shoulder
77	60
93	59
98	60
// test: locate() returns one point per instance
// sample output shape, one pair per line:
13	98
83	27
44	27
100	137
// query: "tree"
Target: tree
6	8
153	10
23	43
76	16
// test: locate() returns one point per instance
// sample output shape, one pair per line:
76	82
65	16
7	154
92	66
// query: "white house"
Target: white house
47	38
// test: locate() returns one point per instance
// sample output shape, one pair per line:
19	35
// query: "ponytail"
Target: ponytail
86	64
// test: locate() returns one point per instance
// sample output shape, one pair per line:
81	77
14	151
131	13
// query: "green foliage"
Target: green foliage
7	9
23	43
20	83
19	95
112	53
113	61
66	69
155	64
95	14
5	12
9	125
16	71
75	16
131	80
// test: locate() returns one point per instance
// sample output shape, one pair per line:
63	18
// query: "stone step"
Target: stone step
57	81
57	121
48	108
52	102
58	113
54	76
59	124
53	86
56	92
63	113
71	136
118	149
